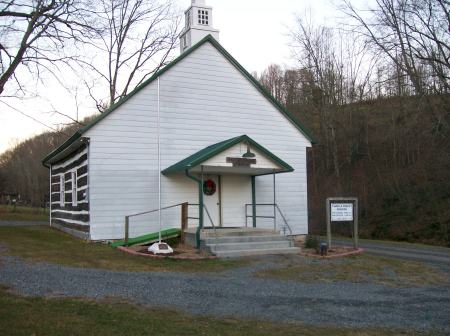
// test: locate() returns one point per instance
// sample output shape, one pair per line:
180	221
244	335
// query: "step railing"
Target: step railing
276	208
207	214
286	224
210	220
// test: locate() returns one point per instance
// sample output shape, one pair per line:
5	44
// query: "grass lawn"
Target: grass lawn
393	243
56	316
41	243
22	213
361	268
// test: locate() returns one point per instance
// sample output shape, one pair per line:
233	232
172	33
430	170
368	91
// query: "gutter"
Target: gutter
200	206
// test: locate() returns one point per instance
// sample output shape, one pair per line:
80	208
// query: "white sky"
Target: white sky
255	32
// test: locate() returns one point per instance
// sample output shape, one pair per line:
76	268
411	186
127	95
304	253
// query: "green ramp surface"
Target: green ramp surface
148	238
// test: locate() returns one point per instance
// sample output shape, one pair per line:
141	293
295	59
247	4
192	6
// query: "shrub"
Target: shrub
311	242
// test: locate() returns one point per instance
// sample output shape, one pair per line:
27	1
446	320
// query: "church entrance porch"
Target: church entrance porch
225	174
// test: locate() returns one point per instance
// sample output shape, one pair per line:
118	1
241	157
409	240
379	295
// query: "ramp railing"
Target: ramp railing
184	218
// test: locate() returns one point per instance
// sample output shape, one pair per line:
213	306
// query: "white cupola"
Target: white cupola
198	24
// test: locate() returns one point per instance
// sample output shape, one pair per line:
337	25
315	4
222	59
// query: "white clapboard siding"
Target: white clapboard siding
204	99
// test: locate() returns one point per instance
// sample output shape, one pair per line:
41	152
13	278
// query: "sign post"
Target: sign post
342	209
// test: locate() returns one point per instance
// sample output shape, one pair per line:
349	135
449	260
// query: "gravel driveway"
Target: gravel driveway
439	256
237	293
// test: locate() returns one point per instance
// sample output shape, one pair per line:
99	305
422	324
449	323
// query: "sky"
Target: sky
255	32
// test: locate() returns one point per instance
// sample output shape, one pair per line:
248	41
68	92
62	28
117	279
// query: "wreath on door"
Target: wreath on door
209	187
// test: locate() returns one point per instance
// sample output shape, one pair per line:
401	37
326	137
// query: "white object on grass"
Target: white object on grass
160	248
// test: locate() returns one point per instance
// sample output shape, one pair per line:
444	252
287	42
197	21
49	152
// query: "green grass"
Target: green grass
57	316
22	213
41	243
361	268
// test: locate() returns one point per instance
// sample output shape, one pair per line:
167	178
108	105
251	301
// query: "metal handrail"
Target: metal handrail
209	217
286	224
210	220
207	213
284	220
127	219
150	211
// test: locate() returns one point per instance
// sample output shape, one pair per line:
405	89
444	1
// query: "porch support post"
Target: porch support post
200	206
253	201
274	203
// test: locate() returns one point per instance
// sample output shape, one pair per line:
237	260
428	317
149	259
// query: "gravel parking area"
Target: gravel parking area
237	293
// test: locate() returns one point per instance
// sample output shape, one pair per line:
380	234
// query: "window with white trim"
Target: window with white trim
203	17
74	188
61	190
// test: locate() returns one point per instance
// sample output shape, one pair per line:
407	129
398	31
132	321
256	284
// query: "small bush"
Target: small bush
311	242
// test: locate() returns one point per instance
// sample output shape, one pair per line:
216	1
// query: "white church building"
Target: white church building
226	147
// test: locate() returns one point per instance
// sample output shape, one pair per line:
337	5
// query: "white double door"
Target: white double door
226	206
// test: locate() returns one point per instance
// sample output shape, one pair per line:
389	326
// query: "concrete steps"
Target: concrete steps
243	252
240	239
237	242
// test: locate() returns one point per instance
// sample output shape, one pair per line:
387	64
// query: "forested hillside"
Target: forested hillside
392	155
21	169
392	152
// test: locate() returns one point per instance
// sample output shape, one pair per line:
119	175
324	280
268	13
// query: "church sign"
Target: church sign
341	212
342	209
240	161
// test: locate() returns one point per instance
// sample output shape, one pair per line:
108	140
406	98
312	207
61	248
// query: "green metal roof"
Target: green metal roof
210	151
225	53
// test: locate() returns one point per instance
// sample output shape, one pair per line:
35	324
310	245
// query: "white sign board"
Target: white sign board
341	212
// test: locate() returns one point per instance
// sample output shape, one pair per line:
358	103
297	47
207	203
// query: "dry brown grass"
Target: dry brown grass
361	268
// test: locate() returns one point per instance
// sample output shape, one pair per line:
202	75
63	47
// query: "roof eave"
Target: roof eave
196	161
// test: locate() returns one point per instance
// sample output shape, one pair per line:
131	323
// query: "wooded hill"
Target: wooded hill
394	156
21	169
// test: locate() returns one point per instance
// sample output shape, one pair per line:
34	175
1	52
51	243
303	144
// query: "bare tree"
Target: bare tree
34	35
413	34
272	79
135	39
314	49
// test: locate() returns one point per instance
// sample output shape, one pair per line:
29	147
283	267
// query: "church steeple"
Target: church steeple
198	23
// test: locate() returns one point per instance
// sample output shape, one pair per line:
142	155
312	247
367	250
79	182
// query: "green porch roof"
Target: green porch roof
78	134
210	151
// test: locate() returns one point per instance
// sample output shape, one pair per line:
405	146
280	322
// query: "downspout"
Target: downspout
200	207
50	198
254	201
